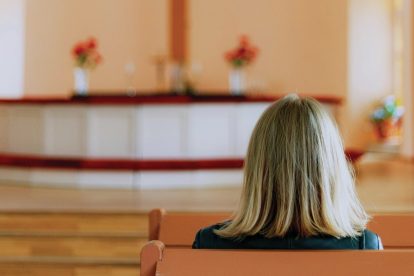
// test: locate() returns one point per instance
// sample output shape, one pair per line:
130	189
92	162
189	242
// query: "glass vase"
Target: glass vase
81	81
237	81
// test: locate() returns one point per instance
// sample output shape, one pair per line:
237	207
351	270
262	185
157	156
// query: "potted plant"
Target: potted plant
387	118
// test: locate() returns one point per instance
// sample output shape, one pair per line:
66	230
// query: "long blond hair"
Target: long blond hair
296	177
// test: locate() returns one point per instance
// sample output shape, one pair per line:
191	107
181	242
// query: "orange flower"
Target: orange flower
98	58
244	40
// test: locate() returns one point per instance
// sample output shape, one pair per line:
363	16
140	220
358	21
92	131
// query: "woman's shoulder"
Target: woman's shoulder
206	237
371	240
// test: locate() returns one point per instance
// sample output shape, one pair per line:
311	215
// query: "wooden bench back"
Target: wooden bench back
396	230
156	259
179	229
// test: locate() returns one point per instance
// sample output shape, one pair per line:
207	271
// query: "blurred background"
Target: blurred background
109	108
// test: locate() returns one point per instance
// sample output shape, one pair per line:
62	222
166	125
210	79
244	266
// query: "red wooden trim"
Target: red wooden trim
354	154
161	99
30	161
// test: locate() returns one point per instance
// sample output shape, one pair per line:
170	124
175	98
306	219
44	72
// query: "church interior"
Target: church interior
112	108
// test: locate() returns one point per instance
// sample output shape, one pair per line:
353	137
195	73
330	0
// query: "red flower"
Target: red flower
229	56
243	54
91	44
86	54
78	50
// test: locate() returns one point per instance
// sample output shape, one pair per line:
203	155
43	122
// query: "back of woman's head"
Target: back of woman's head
296	177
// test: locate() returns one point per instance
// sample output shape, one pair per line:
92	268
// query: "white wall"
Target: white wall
407	148
370	67
12	33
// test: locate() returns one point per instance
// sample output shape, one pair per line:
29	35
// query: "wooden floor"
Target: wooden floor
50	231
384	184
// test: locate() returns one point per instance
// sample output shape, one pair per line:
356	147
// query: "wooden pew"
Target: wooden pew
179	229
158	260
396	230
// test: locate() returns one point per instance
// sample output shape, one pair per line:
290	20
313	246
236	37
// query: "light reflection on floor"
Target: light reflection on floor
383	184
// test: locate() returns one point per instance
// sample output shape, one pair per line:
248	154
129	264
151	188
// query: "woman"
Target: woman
298	191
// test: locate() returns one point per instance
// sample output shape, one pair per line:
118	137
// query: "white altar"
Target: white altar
133	130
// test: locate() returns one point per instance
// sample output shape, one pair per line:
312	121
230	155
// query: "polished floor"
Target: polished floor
384	184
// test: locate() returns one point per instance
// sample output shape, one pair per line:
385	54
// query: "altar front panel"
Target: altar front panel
207	139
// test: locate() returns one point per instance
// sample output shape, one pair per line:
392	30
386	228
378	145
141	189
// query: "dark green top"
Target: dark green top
207	239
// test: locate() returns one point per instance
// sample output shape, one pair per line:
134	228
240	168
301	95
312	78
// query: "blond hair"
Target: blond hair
296	177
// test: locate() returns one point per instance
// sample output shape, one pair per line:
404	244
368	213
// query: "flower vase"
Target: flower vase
388	130
177	78
81	78
237	81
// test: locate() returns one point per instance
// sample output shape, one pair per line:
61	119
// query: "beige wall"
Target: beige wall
303	44
340	48
127	30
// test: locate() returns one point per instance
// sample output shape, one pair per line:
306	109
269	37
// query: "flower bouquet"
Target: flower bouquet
239	57
244	53
86	57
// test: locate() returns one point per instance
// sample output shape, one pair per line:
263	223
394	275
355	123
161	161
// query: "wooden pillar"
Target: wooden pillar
178	30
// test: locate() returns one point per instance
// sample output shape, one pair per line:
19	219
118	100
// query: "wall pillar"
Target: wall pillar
407	147
178	30
370	66
12	31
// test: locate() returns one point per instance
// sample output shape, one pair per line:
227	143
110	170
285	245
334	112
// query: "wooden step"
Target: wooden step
67	269
109	247
43	243
99	224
